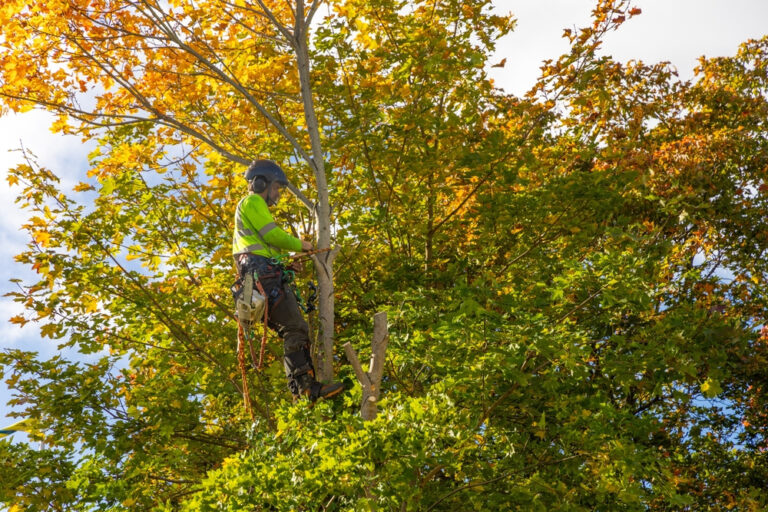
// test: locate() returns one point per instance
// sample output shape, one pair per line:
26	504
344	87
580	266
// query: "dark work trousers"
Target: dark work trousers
284	317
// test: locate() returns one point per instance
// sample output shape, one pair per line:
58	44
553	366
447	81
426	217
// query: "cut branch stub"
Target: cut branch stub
371	381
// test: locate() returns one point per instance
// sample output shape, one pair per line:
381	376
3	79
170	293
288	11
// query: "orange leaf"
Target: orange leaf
82	187
18	319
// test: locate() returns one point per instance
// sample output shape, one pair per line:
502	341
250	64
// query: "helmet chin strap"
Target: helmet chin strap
270	200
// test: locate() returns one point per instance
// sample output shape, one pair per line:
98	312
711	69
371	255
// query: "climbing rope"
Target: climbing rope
285	260
264	334
243	373
302	256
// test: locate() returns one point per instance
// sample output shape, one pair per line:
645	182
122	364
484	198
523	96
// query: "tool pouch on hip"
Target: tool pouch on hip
249	303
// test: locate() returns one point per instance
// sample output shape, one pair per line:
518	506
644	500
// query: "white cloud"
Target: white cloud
67	157
12	334
683	30
678	31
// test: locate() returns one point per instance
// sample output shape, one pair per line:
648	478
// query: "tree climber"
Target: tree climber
257	246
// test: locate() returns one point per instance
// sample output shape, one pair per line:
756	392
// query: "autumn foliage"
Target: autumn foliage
575	279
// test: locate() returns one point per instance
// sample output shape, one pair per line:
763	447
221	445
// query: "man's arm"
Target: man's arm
258	215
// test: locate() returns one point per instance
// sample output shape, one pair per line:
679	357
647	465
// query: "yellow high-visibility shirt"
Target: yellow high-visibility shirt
256	232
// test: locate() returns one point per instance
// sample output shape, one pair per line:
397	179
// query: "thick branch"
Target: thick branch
355	362
312	10
279	26
230	79
371	381
379	347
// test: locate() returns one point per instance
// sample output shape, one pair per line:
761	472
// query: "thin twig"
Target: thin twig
500	477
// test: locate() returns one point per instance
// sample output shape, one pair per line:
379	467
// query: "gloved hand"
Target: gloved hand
295	266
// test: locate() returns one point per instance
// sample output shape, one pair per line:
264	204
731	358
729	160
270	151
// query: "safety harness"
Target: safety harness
252	304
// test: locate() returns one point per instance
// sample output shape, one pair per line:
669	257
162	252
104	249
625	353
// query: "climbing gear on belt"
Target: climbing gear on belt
289	276
250	304
311	298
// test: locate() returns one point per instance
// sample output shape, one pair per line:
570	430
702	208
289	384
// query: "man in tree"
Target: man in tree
257	245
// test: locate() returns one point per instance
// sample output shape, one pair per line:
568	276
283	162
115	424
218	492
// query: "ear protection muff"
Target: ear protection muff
258	184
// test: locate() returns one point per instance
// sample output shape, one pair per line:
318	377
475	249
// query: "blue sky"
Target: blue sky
678	31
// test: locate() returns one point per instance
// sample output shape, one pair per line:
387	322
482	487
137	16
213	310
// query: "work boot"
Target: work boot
315	390
319	390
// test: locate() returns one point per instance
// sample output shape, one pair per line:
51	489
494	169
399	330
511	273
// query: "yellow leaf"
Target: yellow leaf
82	187
18	319
48	330
42	238
37	221
711	388
361	24
91	305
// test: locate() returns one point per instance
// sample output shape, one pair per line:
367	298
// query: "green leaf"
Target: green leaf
711	388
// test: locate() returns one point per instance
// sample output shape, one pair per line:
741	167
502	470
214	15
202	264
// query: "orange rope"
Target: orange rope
242	338
266	318
301	256
241	363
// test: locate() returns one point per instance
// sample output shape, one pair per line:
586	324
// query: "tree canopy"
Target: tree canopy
575	279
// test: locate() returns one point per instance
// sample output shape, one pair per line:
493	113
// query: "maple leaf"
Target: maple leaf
18	319
43	238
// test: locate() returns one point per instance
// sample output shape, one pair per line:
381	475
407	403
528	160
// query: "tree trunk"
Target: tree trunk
322	211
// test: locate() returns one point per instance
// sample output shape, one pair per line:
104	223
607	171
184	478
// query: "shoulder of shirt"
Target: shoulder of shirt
253	199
